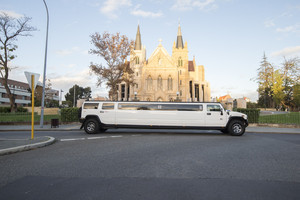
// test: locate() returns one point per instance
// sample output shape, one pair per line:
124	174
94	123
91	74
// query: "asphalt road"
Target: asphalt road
168	164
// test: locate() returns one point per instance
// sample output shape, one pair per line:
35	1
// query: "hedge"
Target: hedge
7	110
4	109
69	114
252	113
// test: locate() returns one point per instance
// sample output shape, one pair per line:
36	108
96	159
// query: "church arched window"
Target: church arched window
170	83
180	62
149	83
159	82
137	60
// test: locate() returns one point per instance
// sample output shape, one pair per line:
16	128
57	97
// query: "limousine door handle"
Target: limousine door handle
101	111
208	113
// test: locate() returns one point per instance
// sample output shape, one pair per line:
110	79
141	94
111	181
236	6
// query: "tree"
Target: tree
114	49
265	80
80	93
10	29
277	89
291	78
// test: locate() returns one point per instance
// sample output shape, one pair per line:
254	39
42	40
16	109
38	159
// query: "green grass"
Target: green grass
289	118
25	117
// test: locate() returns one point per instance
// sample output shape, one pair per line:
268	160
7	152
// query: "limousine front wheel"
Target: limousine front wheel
236	128
91	126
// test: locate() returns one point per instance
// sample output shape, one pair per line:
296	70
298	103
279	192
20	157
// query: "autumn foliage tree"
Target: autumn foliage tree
114	49
10	29
279	86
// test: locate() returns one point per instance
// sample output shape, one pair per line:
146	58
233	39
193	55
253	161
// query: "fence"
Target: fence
25	117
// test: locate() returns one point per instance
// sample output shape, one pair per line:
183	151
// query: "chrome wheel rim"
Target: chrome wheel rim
91	126
237	128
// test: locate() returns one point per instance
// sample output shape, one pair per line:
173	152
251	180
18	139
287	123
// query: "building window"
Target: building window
170	83
137	60
137	85
180	63
180	82
137	74
159	82
180	92
149	83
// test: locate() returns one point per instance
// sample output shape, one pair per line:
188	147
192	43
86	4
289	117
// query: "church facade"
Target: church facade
164	77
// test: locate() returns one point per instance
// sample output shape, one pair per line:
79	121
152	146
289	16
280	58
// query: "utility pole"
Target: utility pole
45	66
74	96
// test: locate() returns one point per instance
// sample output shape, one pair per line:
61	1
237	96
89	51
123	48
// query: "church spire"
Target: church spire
138	41
179	42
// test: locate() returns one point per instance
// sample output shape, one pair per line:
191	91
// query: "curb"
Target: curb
27	147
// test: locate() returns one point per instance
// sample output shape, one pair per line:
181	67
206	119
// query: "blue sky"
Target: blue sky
228	37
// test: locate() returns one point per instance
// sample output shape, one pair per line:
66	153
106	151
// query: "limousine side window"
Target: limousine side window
214	108
91	106
108	106
129	106
161	107
181	107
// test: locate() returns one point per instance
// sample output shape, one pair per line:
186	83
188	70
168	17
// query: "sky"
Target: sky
228	37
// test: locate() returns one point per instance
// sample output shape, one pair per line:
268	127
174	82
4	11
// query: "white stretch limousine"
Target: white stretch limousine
98	116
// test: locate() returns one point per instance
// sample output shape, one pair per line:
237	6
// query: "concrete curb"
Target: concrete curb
27	147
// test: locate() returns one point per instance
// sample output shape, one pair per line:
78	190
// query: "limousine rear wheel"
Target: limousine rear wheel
91	126
236	128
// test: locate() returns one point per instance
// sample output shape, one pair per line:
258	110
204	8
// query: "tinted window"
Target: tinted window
181	107
90	106
108	106
165	107
127	106
213	108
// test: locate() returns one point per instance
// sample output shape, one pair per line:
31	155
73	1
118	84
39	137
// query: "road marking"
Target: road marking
90	138
94	138
135	135
72	139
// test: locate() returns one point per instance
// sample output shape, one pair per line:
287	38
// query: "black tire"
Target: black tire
91	126
236	128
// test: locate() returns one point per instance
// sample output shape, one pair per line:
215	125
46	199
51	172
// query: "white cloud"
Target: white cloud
81	78
110	8
289	51
66	52
138	12
289	29
12	14
184	5
269	23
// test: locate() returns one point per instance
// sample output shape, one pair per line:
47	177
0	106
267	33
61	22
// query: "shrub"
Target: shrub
22	110
4	109
252	113
69	114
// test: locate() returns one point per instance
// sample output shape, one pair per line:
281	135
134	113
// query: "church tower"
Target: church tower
139	51
180	59
180	51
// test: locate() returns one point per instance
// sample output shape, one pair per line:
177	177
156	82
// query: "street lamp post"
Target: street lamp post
45	65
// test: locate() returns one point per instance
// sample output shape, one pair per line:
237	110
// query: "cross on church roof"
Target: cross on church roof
160	40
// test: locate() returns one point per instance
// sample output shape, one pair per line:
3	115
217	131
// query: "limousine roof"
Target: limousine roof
146	102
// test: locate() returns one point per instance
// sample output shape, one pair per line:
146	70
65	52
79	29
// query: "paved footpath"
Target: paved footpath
8	146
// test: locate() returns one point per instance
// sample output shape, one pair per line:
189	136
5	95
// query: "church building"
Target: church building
162	77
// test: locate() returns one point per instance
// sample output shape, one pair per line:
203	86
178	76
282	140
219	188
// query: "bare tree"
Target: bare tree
114	49
10	29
